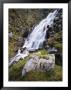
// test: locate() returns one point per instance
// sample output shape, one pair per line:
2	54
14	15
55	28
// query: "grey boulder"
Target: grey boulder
39	64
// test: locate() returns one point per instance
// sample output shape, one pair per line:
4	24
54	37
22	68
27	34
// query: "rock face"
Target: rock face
39	64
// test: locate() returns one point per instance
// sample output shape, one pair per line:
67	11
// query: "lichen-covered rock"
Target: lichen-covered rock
39	64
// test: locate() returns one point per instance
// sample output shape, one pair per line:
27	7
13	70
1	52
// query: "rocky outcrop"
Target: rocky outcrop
39	64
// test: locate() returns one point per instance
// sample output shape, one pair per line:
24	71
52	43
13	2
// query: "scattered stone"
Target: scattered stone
10	35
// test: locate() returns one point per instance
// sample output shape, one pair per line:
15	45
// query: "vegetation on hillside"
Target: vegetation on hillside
21	23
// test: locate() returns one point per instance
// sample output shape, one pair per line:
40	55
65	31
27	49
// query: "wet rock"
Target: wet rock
52	50
18	56
48	32
25	33
22	50
56	18
47	47
52	34
16	50
39	64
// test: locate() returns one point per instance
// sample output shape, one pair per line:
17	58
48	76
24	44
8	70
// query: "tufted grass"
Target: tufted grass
15	71
52	75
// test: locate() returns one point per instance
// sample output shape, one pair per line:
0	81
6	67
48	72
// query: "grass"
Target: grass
41	53
58	45
53	75
11	49
15	72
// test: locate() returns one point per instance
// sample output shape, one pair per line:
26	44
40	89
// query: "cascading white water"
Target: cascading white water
35	40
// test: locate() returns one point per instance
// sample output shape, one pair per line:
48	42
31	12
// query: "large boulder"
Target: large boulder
39	64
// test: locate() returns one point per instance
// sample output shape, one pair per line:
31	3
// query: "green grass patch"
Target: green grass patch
15	70
16	75
52	75
41	53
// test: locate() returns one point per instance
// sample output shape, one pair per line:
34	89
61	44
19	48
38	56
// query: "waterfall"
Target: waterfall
35	40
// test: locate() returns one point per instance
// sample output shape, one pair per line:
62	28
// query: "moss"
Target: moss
35	76
58	45
58	73
58	37
41	53
53	75
16	69
11	49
